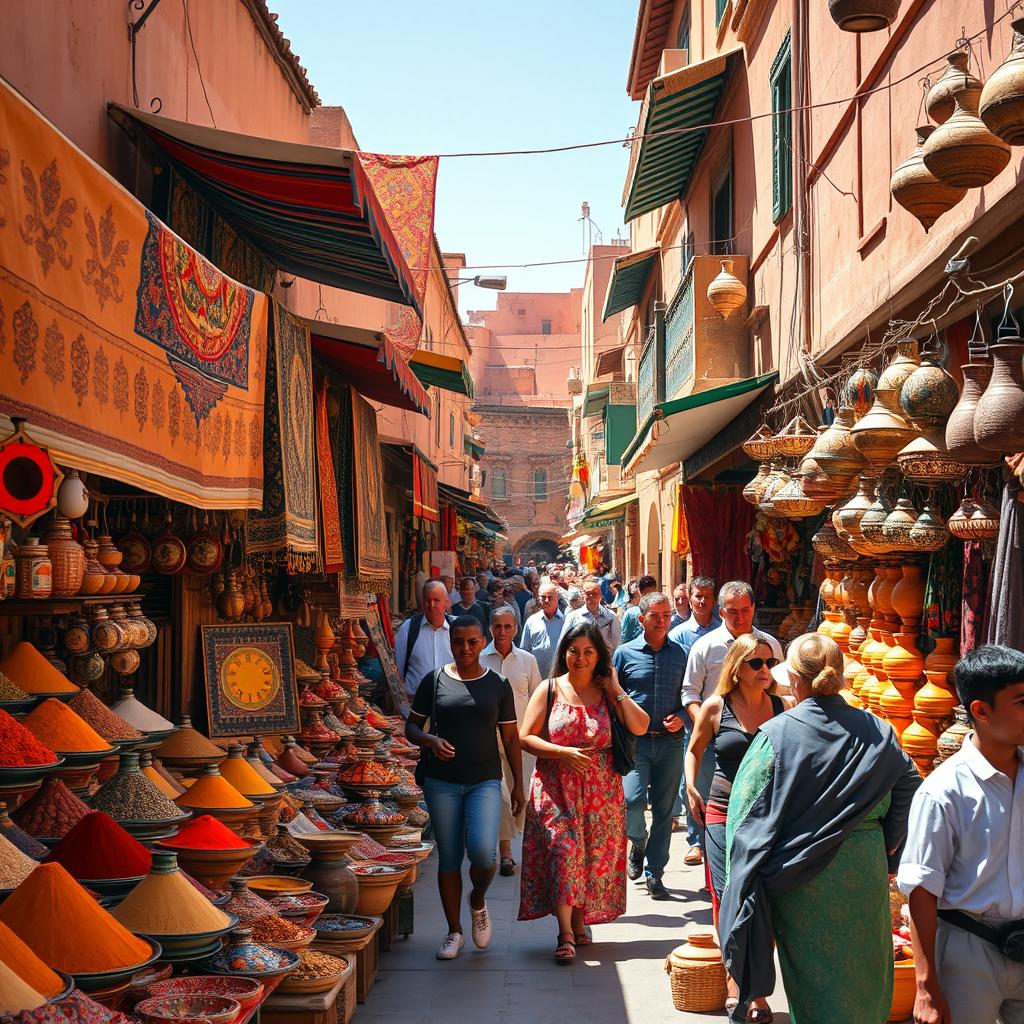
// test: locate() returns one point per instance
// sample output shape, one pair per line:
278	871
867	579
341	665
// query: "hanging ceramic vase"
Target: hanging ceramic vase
999	416
918	191
974	521
727	292
752	492
872	523
835	451
863	15
898	524
859	392
204	551
903	364
956	78
960	441
882	432
962	152
853	511
930	532
796	438
1002	99
72	496
760	446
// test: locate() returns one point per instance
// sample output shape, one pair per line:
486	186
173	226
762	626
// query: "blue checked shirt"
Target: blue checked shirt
654	679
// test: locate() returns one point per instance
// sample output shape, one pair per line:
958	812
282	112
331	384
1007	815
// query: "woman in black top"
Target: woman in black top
743	701
468	706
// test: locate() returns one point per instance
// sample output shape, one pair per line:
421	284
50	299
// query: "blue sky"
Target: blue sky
440	76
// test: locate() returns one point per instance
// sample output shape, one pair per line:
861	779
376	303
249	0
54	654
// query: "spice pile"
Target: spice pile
211	790
19	748
98	848
15	867
206	833
27	965
278	849
246	904
19	837
274	929
15	995
56	725
341	923
92	710
130	796
52	811
10	690
317	965
32	672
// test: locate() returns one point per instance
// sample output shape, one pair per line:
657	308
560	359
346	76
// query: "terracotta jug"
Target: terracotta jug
929	533
904	662
956	78
1002	99
999	416
918	191
907	595
960	441
944	656
863	15
920	742
962	151
935	699
727	293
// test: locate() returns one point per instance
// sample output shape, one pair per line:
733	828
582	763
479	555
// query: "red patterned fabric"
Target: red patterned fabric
719	522
424	490
334	556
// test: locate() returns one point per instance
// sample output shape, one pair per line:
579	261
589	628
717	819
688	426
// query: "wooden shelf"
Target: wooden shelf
47	606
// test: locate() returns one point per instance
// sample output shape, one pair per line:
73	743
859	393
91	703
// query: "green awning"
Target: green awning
688	423
606	514
619	430
661	164
473	448
628	279
595	398
445	372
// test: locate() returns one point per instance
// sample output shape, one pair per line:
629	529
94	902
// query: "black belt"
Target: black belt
1008	938
663	732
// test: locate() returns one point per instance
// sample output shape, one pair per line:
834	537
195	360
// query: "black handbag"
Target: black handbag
623	743
425	752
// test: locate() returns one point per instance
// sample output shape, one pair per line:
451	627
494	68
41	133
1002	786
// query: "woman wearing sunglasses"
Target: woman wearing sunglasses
727	721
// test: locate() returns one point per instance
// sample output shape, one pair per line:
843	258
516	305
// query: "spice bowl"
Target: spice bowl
243	957
303	909
102	981
214	867
111	888
377	886
192	945
245	991
332	928
293	985
278	885
335	841
178	1008
157	828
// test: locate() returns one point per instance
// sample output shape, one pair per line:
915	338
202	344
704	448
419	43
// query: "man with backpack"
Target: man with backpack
423	642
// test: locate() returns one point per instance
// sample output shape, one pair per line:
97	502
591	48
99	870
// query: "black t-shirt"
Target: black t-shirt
467	716
477	611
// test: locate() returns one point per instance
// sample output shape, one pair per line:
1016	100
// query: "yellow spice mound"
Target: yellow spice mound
33	673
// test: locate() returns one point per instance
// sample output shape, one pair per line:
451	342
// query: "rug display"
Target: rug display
373	552
333	552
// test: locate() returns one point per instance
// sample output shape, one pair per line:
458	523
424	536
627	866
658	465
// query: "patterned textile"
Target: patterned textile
719	522
680	528
574	842
285	530
424	490
128	352
372	566
1006	623
334	553
943	590
976	593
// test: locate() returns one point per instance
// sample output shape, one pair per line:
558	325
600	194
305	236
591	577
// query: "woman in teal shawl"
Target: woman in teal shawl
817	820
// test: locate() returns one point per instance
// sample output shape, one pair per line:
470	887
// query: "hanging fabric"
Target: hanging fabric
1006	623
333	551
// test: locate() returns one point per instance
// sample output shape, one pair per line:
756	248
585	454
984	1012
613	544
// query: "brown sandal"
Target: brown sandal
566	950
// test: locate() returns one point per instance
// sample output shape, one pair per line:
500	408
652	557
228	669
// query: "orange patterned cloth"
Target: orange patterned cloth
128	352
334	554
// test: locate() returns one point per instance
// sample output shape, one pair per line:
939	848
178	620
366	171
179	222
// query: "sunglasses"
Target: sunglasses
758	663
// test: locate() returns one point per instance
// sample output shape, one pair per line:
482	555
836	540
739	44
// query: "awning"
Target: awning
675	430
595	398
370	363
470	507
628	280
445	372
609	361
660	166
606	514
310	210
473	448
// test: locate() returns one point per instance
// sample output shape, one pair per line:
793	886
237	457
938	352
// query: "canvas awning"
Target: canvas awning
445	372
685	424
628	280
607	513
370	363
595	398
609	361
473	448
676	104
470	507
310	210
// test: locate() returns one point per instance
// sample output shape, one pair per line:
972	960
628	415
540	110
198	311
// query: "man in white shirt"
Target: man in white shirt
520	668
542	630
423	643
963	864
607	621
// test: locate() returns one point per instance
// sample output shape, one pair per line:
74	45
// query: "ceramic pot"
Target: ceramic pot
835	451
882	432
107	636
135	613
926	459
752	492
929	394
169	555
935	699
974	521
872	523
962	152
86	668
956	78
777	479
863	15
34	571
918	191
72	496
902	365
727	293
828	544
898	524
796	438
999	416
1002	99
124	663
960	441
793	503
697	974
107	553
136	550
816	483
908	595
929	533
230	603
66	557
944	657
852	512
859	392
952	739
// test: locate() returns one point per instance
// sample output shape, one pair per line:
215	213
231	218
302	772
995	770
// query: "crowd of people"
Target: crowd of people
596	718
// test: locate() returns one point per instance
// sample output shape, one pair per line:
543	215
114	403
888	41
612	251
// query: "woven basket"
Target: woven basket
697	974
896	901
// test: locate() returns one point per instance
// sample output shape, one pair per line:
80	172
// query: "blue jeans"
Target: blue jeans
694	830
654	779
465	821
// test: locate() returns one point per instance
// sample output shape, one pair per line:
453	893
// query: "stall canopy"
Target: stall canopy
595	398
441	371
628	280
607	513
469	507
675	430
310	210
671	132
473	448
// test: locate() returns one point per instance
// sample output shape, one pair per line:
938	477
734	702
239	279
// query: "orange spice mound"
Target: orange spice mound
213	791
244	777
27	965
33	673
56	725
66	928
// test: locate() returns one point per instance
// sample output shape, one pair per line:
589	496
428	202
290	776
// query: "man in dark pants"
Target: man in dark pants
650	669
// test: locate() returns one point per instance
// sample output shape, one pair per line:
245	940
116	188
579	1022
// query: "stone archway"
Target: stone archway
541	546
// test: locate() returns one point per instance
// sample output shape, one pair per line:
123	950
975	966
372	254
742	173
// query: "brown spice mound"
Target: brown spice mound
317	965
15	867
273	929
52	812
108	724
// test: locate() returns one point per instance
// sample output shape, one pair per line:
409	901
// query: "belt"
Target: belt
663	732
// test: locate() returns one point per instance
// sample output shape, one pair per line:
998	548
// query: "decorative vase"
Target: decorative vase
136	550
816	483
918	191
727	293
927	460
930	532
872	523
863	15
904	663
935	699
907	596
853	511
1002	99
795	439
929	394
962	151
960	441
760	446
72	496
859	392
956	78
107	636
791	501
898	524
169	555
752	492
952	739
944	656
882	432
777	479
835	451
67	558
920	741
34	571
230	603
902	365
999	416
974	521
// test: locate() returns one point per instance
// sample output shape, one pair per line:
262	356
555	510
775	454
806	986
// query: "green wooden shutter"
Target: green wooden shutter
782	131
720	6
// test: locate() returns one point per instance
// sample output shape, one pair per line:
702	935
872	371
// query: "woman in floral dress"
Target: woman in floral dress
574	843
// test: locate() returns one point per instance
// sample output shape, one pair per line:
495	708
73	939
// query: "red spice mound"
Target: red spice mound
98	848
19	748
52	812
206	833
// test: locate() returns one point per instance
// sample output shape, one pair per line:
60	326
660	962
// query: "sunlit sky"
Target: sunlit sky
442	77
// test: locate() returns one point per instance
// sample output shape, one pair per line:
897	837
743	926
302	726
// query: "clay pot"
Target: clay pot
793	503
1002	99
169	554
863	15
963	152
852	512
999	415
935	699
107	636
882	432
918	191
960	441
859	392
230	602
86	668
902	365
956	78
124	663
76	637
872	523
136	550
816	483
727	293
72	496
698	977
827	543
929	394
944	657
777	479
66	557
898	524
952	739
752	492
929	533
835	451
926	459
974	521
908	595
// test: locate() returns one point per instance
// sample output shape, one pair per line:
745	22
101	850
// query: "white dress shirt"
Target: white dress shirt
607	623
966	841
704	662
432	650
520	668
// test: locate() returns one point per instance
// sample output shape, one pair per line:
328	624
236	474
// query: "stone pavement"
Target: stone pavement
620	978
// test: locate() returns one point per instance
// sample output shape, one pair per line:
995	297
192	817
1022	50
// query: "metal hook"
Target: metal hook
1008	324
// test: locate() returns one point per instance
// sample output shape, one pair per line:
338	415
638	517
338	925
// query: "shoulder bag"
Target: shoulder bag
623	743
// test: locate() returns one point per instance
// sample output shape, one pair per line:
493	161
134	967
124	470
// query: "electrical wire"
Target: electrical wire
192	43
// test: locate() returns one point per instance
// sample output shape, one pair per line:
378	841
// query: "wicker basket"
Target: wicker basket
697	974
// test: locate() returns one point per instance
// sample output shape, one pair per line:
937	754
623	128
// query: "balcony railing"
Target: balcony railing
679	336
645	378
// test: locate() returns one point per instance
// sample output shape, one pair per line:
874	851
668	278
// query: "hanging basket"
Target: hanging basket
863	15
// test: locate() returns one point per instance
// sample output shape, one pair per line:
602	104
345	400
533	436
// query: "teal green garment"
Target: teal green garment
632	627
834	934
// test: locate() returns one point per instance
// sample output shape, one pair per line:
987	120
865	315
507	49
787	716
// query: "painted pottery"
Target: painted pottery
859	392
882	432
929	394
872	523
974	521
835	451
929	533
752	492
760	446
169	555
852	512
898	524
863	15
926	459
796	438
727	293
900	367
956	78
952	739
918	191
999	415
136	550
1002	99
962	152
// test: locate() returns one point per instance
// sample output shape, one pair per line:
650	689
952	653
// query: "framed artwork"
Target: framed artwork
250	678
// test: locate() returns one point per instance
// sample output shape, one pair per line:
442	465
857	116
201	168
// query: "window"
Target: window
499	485
782	131
451	430
545	327
720	6
540	484
521	311
688	245
721	211
683	33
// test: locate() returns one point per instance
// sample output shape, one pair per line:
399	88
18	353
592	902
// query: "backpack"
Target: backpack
415	625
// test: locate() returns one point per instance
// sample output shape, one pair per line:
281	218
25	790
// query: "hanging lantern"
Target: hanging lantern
760	446
918	191
1002	99
956	78
962	151
863	15
727	292
796	438
29	478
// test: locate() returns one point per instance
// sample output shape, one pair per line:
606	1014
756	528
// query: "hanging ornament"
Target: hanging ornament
956	78
962	151
918	191
1002	99
727	292
72	496
859	392
29	478
863	15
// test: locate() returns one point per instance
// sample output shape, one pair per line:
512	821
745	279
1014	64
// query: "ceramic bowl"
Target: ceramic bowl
253	960
100	981
342	927
245	991
333	841
302	909
173	1009
278	885
192	941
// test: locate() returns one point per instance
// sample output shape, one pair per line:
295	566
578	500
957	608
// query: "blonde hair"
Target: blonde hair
742	648
819	660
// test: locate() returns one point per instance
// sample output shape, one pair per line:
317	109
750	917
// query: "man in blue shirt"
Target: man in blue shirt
650	670
542	629
631	627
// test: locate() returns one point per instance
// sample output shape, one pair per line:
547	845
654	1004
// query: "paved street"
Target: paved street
619	978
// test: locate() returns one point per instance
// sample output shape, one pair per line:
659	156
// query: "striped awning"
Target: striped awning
607	513
473	448
595	398
309	210
445	372
676	104
628	279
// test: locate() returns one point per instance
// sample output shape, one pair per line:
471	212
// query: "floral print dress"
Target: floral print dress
574	842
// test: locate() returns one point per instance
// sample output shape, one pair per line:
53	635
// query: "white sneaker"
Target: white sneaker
481	927
451	947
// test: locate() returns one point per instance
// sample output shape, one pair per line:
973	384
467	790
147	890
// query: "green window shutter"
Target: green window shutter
720	6
782	131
